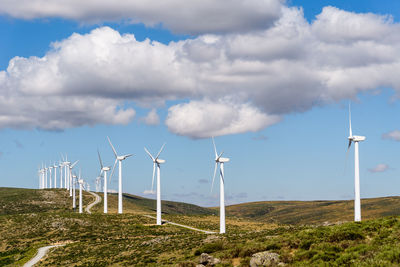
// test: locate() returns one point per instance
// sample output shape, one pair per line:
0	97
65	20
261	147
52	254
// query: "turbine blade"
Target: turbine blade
215	172
145	149
215	148
351	133
220	155
152	180
112	172
115	152
101	163
348	147
160	151
73	164
128	155
62	157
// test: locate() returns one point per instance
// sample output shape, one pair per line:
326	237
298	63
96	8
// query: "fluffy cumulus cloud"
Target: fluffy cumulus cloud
189	17
393	135
151	118
201	119
379	168
213	84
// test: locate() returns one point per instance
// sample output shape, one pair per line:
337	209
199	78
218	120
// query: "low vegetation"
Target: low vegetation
132	239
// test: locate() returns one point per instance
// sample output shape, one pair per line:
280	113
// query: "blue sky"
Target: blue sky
271	85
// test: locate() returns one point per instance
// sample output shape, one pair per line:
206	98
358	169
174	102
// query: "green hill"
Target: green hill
30	219
314	212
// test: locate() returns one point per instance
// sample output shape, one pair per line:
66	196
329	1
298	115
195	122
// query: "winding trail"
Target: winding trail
40	254
182	225
96	201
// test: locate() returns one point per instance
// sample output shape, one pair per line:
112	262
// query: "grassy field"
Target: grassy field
33	218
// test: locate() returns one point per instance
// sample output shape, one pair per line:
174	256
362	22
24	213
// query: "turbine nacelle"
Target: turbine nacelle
123	157
222	160
159	161
106	169
357	138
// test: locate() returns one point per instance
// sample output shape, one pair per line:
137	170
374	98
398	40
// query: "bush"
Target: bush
209	248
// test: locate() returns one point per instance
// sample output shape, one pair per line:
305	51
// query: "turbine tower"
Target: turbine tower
104	169
219	160
60	164
119	159
51	176
55	174
80	181
157	161
356	139
73	181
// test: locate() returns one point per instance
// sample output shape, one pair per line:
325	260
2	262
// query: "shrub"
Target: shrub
209	248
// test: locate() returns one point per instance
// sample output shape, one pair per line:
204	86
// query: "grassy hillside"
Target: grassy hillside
314	212
131	239
136	204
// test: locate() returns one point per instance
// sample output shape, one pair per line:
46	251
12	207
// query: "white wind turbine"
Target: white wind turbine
356	139
55	174
66	164
104	169
71	185
119	159
157	161
219	160
73	181
60	164
50	174
45	181
81	184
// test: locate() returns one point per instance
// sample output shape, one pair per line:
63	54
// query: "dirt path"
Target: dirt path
182	225
40	254
96	201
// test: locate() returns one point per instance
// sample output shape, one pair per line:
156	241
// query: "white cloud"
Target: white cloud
151	118
202	119
379	168
393	135
231	83
192	17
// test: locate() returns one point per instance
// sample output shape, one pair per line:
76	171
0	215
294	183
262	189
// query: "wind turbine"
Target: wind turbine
219	160
355	139
71	185
55	175
119	159
45	181
80	181
157	161
60	164
73	181
104	169
51	176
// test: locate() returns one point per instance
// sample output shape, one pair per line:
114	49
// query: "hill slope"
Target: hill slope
314	212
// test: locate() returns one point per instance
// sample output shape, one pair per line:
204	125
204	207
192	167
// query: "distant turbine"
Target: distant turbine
119	159
71	185
45	181
73	181
55	175
98	183
61	172
357	201
51	177
104	169
221	161
80	181
157	161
